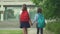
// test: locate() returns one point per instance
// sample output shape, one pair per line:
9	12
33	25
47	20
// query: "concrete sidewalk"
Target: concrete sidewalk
30	30
14	25
34	31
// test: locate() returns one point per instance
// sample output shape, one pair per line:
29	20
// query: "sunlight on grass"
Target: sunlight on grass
10	31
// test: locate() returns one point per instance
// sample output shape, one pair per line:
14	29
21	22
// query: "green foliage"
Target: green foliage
32	13
9	13
54	27
51	8
37	2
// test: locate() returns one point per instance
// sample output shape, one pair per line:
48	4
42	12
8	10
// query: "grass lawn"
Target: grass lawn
10	31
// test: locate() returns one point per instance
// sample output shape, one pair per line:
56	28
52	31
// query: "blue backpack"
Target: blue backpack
41	21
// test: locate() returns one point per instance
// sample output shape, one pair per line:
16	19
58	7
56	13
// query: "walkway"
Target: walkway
33	31
30	30
14	25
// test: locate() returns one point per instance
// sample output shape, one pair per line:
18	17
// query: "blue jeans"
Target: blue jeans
40	29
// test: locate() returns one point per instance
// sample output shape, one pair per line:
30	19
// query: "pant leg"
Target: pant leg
41	30
37	30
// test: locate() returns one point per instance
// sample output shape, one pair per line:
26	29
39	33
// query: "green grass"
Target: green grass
54	27
10	31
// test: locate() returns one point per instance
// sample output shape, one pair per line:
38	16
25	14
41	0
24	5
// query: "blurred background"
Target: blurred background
11	9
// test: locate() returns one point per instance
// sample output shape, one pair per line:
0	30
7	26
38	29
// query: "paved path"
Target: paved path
9	24
33	31
14	25
30	30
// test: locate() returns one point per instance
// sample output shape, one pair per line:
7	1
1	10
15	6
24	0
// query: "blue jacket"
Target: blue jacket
39	21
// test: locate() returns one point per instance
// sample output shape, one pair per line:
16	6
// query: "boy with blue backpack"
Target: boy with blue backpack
40	21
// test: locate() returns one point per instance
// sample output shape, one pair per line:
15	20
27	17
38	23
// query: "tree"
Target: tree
9	13
51	8
37	2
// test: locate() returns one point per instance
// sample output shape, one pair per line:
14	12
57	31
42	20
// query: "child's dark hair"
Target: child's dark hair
39	10
24	7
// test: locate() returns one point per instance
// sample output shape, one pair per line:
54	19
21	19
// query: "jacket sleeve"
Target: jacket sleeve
35	18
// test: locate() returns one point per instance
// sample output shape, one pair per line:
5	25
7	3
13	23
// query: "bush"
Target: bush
54	27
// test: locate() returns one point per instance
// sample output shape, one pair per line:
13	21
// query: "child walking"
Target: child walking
40	21
25	21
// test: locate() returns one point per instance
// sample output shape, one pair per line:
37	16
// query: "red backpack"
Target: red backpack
24	16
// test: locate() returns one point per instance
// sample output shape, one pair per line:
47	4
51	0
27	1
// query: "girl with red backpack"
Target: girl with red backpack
25	21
